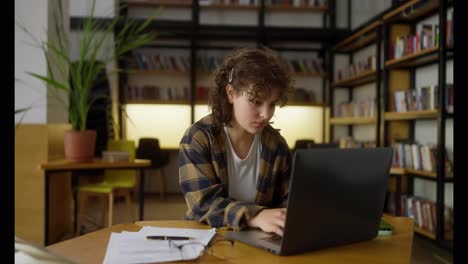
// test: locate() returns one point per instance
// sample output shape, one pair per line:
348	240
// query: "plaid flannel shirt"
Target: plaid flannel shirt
204	182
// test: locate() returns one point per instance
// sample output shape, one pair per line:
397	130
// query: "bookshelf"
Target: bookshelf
403	70
411	105
216	27
351	84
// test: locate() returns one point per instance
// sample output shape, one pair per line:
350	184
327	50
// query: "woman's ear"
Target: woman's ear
230	92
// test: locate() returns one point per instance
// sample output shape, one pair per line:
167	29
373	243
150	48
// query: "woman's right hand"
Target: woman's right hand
269	220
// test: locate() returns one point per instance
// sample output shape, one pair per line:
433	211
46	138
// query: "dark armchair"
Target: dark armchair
148	148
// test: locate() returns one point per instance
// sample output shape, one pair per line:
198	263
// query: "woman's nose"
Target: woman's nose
265	113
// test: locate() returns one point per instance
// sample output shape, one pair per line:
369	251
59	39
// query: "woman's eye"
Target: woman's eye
256	102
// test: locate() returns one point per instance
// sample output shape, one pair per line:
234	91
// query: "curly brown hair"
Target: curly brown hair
253	70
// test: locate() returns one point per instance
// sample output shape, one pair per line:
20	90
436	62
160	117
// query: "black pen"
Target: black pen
169	238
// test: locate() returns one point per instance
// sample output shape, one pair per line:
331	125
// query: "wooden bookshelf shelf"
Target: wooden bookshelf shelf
412	11
353	120
424	232
419	173
290	8
230	7
363	78
427	174
165	102
162	3
397	171
424	57
361	42
389	116
359	39
157	72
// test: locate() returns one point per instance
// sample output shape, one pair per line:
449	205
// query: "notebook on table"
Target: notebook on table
336	197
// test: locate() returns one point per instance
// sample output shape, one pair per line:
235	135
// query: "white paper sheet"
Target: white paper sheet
133	247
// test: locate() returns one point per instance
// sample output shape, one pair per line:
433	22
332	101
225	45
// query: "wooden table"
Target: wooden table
91	248
52	167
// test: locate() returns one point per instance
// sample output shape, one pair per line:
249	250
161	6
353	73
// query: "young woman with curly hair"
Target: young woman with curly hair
234	167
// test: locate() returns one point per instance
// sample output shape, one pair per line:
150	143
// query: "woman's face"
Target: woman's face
251	115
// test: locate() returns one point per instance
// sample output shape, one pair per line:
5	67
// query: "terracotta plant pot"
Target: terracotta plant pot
79	145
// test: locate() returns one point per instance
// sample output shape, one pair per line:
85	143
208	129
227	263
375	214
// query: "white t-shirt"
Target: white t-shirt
243	173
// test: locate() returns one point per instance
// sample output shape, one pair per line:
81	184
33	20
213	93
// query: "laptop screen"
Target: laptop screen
336	196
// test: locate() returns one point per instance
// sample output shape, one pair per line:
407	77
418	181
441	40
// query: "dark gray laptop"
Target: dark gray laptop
336	197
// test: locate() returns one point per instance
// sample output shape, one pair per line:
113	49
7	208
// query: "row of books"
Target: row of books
411	155
357	68
300	94
298	66
305	66
201	92
421	210
449	29
408	44
364	108
304	95
425	98
350	142
427	38
155	61
154	92
209	63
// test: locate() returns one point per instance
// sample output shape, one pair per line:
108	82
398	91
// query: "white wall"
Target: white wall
35	23
29	91
36	17
363	10
341	13
103	8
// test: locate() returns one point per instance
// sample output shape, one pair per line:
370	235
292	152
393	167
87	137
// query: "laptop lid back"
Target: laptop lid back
336	197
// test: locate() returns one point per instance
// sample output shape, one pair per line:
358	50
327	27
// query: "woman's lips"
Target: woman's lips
259	124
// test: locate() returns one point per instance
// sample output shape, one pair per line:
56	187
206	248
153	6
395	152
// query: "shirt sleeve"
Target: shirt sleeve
206	196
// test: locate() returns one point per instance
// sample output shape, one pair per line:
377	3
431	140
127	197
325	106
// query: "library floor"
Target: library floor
424	251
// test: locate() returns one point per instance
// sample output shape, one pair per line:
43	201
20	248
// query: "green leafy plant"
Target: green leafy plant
77	77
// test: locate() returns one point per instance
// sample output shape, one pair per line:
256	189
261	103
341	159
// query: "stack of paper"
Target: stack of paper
27	252
133	247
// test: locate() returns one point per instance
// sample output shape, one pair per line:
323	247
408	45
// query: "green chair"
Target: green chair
114	183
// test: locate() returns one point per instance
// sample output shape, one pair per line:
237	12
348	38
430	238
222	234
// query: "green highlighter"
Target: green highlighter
385	228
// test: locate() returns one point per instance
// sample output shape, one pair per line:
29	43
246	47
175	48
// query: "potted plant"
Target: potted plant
75	77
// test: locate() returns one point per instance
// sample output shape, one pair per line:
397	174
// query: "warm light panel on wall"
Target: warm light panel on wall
165	122
201	110
295	122
299	122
